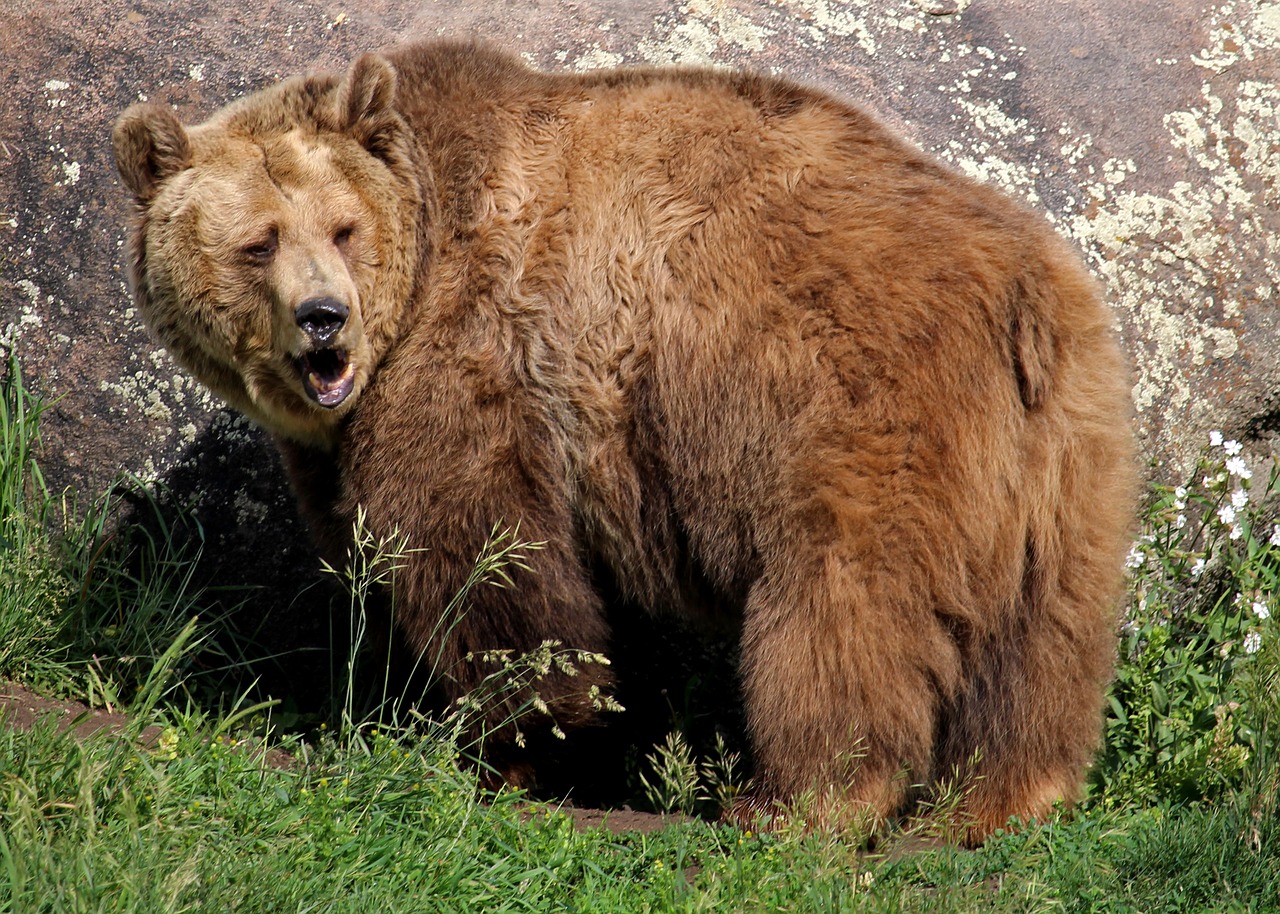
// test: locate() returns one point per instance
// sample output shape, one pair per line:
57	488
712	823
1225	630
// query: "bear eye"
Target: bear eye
264	250
343	235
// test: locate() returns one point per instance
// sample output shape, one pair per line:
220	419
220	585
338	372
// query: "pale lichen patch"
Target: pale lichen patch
1240	31
249	510
1168	258
826	18
597	59
1010	175
989	114
54	87
698	32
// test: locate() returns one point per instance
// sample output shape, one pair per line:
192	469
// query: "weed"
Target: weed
92	601
510	689
33	586
1198	639
675	786
680	783
371	567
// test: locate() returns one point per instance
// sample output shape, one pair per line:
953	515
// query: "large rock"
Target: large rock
1148	134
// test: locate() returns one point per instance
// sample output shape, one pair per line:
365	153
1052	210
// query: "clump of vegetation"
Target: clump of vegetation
93	599
33	588
676	782
1193	704
369	575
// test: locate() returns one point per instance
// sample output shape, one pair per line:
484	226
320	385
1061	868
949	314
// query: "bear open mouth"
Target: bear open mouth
327	375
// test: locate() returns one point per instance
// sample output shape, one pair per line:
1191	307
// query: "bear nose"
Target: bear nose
321	318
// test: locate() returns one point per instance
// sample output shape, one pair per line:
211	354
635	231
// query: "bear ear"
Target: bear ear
151	146
366	101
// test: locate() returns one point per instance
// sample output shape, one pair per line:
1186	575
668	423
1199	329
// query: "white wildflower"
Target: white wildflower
1232	447
1136	558
1215	439
1237	467
1261	610
1236	531
1227	514
1197	568
1239	498
1275	536
1252	642
1181	521
1179	498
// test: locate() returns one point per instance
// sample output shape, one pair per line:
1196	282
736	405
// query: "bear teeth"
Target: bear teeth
328	376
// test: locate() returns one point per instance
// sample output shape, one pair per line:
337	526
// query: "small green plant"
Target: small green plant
1185	707
135	558
369	575
680	783
941	813
675	786
34	587
92	601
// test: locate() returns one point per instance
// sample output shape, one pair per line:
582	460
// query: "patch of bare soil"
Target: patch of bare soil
22	709
619	821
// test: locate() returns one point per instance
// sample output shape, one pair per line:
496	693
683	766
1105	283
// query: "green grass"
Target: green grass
1182	814
32	586
91	597
202	824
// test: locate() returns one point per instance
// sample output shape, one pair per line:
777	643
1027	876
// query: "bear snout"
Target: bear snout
321	318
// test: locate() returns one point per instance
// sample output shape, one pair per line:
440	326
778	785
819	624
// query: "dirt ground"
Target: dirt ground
23	709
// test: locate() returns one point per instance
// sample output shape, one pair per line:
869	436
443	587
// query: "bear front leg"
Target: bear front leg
510	653
842	673
445	467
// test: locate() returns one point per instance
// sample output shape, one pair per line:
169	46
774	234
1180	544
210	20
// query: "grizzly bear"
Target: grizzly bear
721	335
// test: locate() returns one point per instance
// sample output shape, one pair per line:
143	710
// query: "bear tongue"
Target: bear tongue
328	378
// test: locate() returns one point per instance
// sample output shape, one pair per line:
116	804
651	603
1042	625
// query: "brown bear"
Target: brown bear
722	335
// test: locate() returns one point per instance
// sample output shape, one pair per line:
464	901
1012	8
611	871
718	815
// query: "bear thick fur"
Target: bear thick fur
717	337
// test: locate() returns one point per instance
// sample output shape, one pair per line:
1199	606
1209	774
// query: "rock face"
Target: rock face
1152	141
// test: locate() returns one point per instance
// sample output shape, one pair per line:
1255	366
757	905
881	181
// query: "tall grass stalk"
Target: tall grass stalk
504	698
33	586
368	575
95	601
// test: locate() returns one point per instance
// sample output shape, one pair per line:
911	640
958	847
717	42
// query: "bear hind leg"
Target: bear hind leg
1023	733
842	672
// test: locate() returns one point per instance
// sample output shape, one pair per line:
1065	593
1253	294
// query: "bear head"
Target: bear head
274	248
